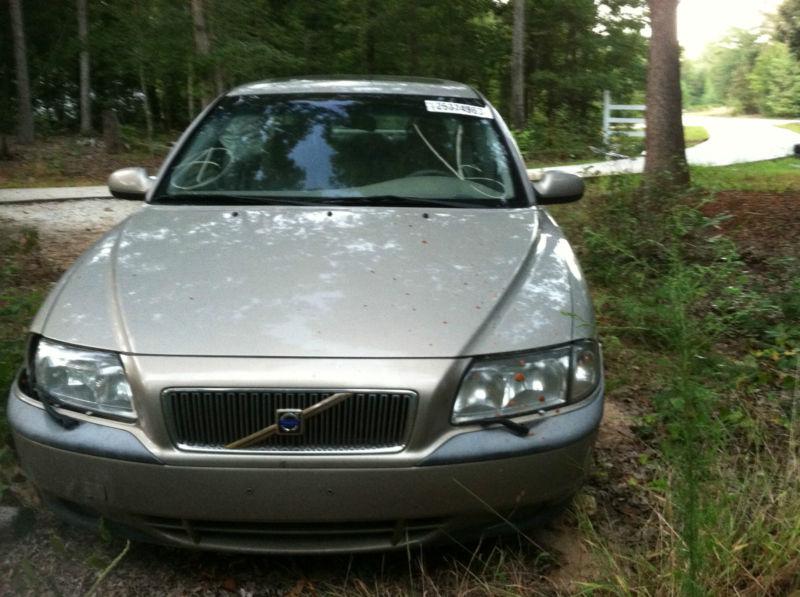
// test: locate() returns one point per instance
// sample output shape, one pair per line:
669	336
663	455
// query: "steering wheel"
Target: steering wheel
202	169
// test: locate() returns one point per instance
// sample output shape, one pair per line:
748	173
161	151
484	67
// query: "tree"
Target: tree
775	81
24	106
202	41
787	25
152	60
729	65
112	135
518	67
694	79
665	161
85	92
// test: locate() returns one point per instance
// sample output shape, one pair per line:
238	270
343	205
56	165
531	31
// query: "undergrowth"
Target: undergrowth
23	282
723	352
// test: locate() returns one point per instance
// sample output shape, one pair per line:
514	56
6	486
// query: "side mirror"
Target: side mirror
129	183
558	187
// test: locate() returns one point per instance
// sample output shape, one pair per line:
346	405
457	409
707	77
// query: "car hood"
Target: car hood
285	281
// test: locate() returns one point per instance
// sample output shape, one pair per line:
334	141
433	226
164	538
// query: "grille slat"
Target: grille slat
280	536
210	419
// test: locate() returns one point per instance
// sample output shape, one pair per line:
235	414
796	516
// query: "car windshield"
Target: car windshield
358	150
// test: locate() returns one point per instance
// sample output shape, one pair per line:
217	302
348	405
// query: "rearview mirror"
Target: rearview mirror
558	187
129	183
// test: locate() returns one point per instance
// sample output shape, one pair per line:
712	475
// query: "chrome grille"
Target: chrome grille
211	418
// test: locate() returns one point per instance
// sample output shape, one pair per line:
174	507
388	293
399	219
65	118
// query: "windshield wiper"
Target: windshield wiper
383	200
402	201
512	426
213	199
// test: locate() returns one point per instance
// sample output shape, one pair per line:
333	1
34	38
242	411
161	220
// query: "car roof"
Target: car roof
358	84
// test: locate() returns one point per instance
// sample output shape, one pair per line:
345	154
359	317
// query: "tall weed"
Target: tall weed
728	493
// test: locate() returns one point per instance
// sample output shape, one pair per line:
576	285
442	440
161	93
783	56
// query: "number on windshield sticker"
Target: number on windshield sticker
455	108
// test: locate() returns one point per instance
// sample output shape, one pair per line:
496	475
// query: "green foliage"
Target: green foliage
787	25
695	85
694	135
775	79
20	297
601	47
773	175
746	72
24	281
145	49
721	76
722	350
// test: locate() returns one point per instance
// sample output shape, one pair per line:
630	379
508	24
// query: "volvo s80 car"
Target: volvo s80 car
342	321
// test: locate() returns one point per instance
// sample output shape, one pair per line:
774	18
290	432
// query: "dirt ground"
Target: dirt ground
70	161
49	558
762	224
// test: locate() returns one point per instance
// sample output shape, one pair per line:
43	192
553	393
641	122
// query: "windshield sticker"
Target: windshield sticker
454	108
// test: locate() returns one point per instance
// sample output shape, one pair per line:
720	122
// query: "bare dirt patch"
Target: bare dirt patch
612	501
762	224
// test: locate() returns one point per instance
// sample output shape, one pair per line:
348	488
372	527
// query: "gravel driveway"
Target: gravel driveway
67	228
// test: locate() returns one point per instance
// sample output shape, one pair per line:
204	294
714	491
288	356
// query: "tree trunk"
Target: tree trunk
5	153
148	113
219	79
413	37
112	136
24	106
518	67
190	91
202	42
665	160
370	41
85	92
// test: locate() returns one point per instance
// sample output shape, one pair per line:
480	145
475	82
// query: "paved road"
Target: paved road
731	141
737	140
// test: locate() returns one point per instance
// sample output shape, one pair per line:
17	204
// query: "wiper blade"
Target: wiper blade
385	200
402	201
512	426
226	199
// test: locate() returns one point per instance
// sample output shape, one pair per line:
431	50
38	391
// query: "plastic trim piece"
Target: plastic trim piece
550	433
87	438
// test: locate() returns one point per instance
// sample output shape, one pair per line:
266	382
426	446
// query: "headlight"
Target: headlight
513	386
84	380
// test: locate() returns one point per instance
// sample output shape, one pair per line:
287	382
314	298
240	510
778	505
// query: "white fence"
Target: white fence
634	127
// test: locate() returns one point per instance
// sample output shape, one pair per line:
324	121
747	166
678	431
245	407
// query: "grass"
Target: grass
721	400
694	135
792	126
24	281
770	176
776	176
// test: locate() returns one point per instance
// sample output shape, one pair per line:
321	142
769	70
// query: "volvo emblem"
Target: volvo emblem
290	421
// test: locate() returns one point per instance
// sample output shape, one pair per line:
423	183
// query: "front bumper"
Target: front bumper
484	479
